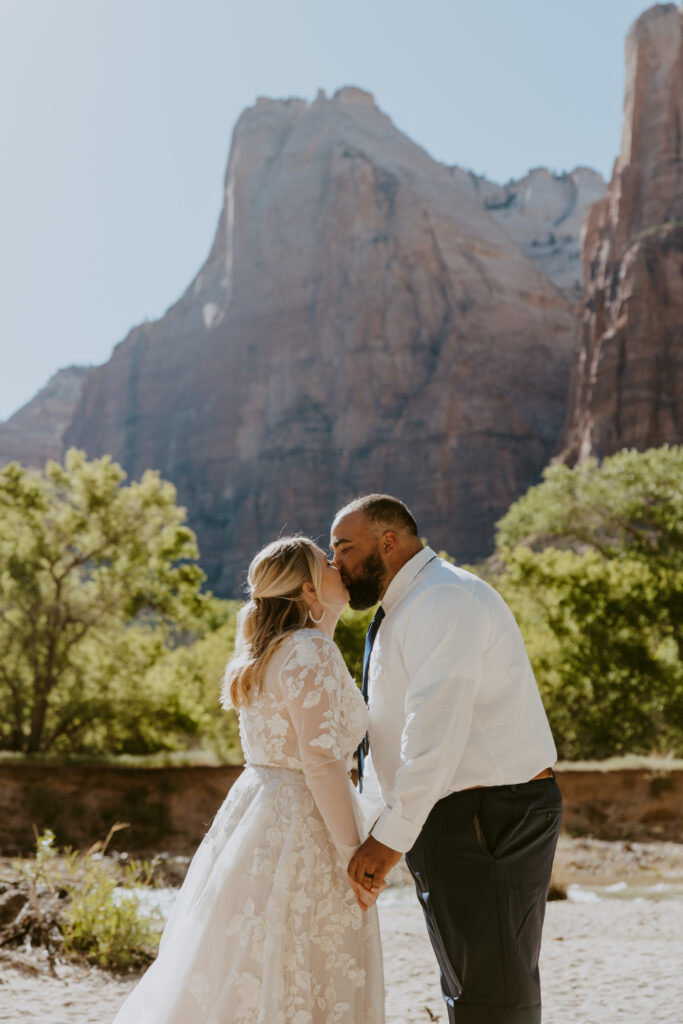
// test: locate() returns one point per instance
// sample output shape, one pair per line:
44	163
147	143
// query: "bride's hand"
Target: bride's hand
367	897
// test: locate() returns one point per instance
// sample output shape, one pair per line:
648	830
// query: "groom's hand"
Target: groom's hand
371	862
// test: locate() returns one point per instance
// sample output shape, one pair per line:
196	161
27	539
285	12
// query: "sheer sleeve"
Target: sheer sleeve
311	683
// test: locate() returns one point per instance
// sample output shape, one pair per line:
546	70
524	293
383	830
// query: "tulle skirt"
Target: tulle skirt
265	929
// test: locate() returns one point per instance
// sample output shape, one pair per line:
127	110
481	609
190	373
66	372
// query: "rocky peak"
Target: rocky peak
35	432
647	185
362	323
543	213
628	385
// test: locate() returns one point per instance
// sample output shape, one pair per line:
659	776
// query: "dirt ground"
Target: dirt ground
610	961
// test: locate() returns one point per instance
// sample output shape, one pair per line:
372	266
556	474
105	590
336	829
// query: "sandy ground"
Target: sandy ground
613	962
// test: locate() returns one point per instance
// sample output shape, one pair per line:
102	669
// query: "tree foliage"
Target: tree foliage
591	562
189	680
97	580
108	645
350	636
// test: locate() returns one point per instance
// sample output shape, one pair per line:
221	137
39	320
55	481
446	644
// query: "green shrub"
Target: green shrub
104	923
92	903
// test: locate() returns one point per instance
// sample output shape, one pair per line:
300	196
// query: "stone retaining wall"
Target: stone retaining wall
170	809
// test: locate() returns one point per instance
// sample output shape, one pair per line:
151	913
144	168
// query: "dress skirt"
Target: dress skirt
265	929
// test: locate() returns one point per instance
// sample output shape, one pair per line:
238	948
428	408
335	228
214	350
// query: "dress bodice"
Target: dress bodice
308	708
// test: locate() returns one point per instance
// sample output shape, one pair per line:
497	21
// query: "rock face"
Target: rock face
542	212
361	324
628	383
36	432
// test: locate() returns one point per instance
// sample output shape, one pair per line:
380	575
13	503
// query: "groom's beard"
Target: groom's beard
365	587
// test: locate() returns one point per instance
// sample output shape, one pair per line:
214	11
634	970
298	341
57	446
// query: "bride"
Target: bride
267	928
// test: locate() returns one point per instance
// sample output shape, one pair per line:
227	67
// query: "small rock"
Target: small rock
11	903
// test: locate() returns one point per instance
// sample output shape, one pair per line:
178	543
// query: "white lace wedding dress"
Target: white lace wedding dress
266	929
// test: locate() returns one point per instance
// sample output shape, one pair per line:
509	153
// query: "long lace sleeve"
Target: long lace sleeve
311	686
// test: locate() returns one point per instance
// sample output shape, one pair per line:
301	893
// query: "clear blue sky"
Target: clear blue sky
116	116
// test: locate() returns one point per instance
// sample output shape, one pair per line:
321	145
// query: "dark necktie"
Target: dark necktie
369	641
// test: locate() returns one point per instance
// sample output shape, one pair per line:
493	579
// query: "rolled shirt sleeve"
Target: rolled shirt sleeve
443	647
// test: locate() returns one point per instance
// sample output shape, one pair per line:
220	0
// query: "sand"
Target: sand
611	962
616	962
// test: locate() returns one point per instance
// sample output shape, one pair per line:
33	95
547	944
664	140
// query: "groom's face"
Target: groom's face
356	549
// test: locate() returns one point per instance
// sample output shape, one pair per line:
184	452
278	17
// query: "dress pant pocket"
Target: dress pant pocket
551	814
479	835
504	827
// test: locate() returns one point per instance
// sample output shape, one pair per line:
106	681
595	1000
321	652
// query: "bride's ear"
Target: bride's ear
309	592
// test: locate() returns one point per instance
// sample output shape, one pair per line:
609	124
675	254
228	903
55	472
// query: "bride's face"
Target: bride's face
333	592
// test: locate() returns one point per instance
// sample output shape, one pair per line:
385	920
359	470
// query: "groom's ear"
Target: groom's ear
388	542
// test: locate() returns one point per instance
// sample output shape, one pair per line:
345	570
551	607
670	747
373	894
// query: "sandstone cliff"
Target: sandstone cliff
361	323
543	212
628	383
36	432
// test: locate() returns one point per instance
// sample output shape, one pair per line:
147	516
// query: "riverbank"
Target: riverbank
171	807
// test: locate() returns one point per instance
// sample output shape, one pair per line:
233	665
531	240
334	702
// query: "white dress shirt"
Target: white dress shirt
452	695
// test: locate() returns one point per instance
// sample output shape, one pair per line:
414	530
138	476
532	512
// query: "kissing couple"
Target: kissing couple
276	921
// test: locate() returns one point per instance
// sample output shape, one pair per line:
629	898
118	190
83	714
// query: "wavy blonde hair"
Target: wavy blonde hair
276	608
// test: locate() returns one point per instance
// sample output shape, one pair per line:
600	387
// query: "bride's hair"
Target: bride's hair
276	607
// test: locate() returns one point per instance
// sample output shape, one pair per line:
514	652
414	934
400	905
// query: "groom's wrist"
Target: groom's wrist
394	831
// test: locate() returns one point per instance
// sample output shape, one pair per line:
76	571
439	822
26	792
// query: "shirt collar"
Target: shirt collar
405	576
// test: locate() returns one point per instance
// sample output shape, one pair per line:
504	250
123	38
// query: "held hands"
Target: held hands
366	898
367	870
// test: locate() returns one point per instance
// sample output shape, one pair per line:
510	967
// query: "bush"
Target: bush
104	923
91	905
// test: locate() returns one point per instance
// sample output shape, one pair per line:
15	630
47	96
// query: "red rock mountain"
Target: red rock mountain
361	324
542	212
35	433
628	385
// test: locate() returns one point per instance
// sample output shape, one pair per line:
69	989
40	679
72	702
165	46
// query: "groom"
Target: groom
458	761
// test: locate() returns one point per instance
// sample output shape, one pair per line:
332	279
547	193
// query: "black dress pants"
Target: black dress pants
481	866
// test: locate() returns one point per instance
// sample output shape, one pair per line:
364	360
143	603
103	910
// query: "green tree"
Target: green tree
631	503
591	562
97	580
188	682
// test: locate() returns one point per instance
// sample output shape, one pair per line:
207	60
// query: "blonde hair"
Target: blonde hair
275	609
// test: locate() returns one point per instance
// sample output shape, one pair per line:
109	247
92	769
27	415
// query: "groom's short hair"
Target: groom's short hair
382	509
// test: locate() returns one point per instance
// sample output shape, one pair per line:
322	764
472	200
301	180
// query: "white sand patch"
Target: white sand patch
611	962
